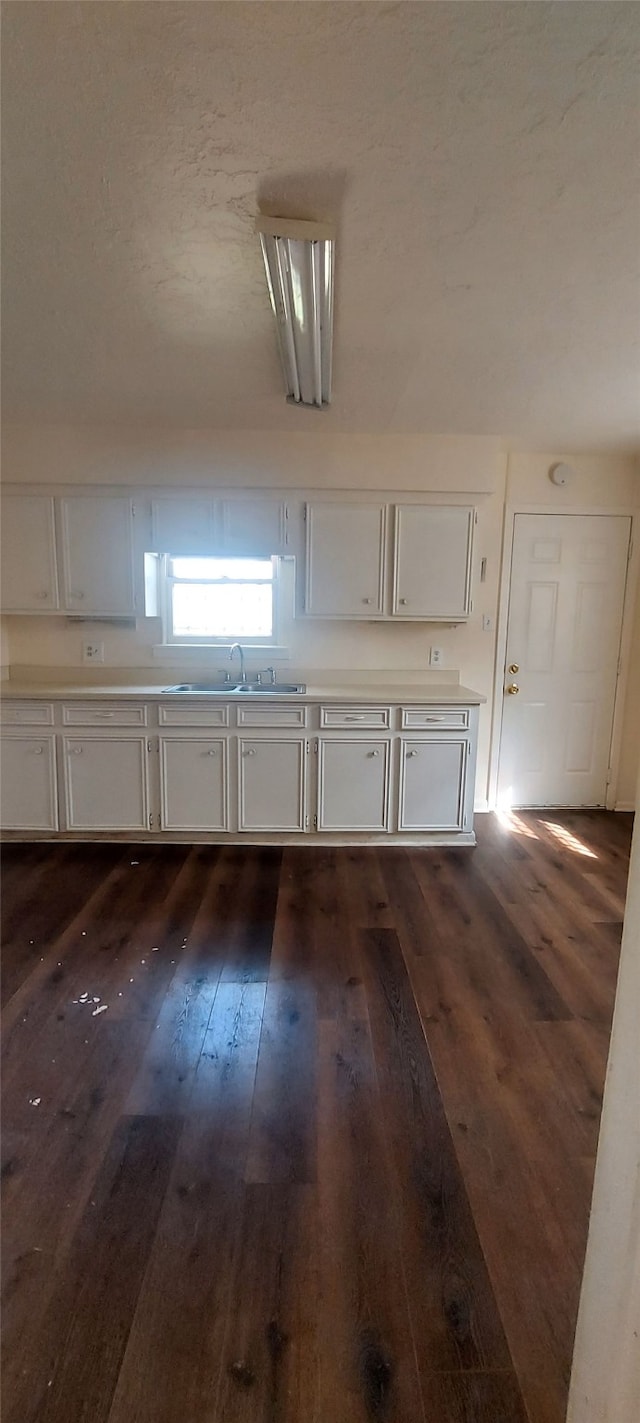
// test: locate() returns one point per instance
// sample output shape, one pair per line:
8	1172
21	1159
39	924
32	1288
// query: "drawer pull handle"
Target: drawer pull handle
104	713
355	718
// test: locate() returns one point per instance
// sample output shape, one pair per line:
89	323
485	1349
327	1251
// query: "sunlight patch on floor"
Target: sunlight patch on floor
568	840
510	821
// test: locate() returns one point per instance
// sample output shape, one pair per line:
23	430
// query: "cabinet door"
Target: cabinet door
28	798
193	783
106	782
29	574
97	546
353	790
183	527
432	573
272	784
253	527
345	560
432	784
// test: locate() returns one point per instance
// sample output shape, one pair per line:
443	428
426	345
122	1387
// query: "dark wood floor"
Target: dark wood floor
327	1154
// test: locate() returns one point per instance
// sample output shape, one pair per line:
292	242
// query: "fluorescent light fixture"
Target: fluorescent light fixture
298	259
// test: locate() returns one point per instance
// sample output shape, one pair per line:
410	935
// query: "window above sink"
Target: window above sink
216	601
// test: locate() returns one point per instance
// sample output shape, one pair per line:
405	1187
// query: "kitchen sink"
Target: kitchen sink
228	689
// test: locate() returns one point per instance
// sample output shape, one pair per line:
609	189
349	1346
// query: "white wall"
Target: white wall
605	1381
447	465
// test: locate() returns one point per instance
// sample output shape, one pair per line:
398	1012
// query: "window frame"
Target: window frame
166	580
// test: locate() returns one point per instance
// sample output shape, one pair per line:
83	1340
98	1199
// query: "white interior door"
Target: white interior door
568	574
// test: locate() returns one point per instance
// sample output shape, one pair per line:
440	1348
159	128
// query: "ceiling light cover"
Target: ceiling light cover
299	259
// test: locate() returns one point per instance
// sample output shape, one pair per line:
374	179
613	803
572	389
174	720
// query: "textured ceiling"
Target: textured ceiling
481	161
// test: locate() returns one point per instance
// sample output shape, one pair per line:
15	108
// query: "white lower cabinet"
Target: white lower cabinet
353	784
193	783
433	776
106	782
28	791
272	783
240	769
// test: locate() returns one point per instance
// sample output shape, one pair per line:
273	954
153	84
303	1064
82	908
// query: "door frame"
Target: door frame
633	568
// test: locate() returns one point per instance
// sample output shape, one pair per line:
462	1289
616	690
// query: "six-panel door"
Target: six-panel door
353	784
106	782
432	783
272	777
193	783
28	796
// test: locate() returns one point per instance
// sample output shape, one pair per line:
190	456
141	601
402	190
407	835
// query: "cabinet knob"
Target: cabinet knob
403	602
250	752
412	753
211	753
76	750
367	600
375	753
37	750
43	596
75	595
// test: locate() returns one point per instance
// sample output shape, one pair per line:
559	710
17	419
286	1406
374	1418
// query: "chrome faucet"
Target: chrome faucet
237	648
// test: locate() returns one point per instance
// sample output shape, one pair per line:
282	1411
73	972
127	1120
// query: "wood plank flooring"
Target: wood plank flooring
326	1156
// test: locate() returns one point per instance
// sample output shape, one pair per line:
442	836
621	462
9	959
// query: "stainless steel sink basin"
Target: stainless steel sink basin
228	689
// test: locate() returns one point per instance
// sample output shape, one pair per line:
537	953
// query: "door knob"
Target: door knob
513	690
514	668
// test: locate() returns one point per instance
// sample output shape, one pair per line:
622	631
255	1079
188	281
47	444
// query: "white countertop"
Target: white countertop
432	694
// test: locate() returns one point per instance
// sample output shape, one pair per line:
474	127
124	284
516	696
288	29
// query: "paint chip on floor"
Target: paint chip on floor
102	1009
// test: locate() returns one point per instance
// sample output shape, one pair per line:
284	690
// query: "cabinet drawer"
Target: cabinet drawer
272	716
435	718
104	714
26	714
193	716
360	718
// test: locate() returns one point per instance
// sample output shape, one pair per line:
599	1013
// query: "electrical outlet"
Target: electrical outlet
436	657
93	652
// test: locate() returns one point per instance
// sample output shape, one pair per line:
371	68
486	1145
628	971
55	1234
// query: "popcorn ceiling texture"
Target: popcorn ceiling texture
479	159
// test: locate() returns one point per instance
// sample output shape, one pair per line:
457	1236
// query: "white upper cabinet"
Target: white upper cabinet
253	527
184	527
432	562
345	572
97	555
29	569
